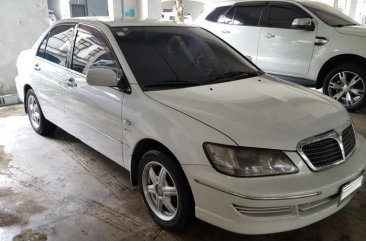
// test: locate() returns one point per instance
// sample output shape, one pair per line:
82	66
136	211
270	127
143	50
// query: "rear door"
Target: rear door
240	27
50	65
94	113
283	50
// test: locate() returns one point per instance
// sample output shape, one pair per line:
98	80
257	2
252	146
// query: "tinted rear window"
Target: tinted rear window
248	16
217	13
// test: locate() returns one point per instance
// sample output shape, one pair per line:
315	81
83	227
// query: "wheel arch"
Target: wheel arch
336	61
140	149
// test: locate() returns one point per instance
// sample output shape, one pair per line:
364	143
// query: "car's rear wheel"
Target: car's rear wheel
39	123
165	191
347	84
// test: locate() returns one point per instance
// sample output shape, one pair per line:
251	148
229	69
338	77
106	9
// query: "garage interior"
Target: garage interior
58	188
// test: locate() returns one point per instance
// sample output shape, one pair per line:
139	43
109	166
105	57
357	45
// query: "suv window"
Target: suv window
217	13
248	15
282	15
92	49
58	44
228	17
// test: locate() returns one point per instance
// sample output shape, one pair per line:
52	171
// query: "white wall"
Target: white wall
21	23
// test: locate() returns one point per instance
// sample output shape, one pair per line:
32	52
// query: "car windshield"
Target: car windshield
179	57
329	15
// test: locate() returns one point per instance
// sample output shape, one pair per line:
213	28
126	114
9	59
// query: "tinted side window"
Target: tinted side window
228	18
217	13
248	16
283	15
91	50
59	44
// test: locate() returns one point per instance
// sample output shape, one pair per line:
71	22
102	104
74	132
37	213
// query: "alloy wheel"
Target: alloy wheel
347	87
160	191
34	112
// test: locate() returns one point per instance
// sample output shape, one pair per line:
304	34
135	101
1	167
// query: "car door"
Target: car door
50	65
94	113
283	50
240	27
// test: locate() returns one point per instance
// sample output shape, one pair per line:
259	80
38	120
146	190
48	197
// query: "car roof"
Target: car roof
124	23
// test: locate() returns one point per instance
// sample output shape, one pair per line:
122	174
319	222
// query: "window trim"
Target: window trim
124	79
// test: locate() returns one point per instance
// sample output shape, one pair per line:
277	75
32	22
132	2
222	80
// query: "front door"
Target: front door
283	50
93	113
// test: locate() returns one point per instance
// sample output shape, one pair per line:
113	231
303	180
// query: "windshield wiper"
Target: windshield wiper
235	75
172	83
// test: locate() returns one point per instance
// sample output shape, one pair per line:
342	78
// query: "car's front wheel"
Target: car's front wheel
346	83
165	191
39	123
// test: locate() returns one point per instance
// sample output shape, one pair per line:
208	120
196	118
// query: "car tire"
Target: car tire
38	122
165	191
347	84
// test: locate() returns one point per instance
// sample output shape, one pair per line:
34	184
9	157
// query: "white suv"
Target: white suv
304	42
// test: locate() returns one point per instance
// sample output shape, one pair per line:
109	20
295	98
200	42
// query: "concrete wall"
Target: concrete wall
21	23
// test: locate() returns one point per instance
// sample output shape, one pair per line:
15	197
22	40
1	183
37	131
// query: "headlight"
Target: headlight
248	162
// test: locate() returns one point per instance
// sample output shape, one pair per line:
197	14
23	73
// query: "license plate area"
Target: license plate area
350	188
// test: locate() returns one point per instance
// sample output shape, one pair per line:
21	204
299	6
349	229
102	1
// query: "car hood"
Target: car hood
257	112
353	30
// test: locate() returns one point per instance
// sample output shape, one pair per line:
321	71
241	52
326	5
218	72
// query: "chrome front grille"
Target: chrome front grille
323	152
349	140
329	149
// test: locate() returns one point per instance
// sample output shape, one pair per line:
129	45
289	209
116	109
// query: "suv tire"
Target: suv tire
347	84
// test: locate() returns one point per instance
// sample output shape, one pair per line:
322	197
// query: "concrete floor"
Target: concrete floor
58	188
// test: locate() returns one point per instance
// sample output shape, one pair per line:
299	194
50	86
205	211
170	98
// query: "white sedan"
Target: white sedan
202	130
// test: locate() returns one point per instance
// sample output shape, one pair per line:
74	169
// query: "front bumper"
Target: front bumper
272	204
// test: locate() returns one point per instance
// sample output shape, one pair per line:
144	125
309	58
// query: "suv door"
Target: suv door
94	113
240	27
50	65
283	50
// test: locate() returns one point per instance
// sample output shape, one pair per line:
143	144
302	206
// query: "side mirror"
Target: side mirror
101	77
303	24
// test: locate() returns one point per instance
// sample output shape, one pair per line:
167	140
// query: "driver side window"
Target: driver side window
91	50
282	15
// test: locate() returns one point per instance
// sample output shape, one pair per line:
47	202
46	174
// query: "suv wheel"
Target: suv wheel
165	191
39	123
346	83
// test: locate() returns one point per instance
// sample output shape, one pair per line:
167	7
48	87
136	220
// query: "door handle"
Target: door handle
36	67
269	35
71	82
225	31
